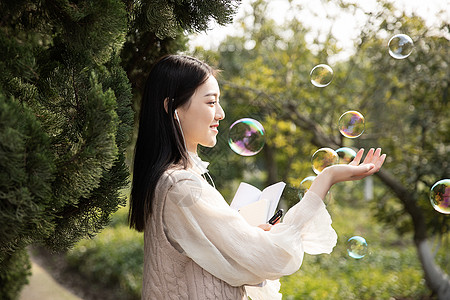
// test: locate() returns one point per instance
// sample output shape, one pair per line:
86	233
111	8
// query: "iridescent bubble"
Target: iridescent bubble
321	75
440	196
346	155
305	184
351	124
357	247
246	137
400	46
322	158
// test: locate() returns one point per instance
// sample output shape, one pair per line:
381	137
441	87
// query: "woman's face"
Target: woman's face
200	117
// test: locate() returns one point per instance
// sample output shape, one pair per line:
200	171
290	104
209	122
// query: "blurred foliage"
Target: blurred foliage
390	270
403	101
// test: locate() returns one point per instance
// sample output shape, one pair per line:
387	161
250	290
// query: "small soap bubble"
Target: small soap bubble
351	124
357	247
400	46
305	184
346	155
322	158
321	75
440	196
246	137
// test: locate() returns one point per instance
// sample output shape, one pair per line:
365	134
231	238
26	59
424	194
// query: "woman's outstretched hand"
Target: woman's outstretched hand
355	170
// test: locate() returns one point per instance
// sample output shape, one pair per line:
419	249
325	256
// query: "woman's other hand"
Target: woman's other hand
265	227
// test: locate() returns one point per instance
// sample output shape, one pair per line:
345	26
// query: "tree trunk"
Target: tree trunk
436	280
271	165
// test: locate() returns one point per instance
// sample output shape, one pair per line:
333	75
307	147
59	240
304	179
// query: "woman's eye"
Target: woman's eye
212	102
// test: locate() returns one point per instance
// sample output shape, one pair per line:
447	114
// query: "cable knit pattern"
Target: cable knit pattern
169	274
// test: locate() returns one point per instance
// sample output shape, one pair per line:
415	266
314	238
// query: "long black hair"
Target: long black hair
173	79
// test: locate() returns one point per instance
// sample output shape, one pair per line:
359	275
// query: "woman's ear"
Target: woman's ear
166	105
166	108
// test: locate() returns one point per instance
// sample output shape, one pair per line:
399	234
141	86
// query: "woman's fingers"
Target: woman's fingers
373	157
369	156
380	161
357	158
377	159
376	155
376	162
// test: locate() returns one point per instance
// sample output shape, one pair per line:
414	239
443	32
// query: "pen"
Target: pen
276	217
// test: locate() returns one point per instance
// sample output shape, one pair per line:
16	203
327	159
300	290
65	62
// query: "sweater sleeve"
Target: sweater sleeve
200	223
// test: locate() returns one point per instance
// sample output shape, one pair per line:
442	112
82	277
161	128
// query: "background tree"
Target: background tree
66	112
404	102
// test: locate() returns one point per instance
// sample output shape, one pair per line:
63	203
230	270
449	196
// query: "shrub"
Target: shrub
14	274
114	258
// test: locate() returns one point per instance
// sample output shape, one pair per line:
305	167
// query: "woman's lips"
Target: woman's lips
214	127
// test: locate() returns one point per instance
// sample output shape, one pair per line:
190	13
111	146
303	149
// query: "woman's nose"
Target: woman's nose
220	113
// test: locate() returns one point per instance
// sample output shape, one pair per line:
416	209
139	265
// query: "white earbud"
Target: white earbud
176	116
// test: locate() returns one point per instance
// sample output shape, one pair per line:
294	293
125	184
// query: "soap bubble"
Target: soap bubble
305	184
400	46
323	158
351	124
321	75
246	137
357	247
346	155
440	196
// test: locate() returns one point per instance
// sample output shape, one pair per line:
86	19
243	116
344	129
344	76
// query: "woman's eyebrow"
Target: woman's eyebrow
212	94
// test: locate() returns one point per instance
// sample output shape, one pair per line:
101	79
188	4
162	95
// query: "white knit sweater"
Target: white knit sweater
197	247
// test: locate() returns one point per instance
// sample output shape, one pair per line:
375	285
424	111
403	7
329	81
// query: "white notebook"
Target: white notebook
256	206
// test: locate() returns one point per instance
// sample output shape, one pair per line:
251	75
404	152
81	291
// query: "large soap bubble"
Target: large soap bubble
321	75
322	158
346	155
246	137
400	46
440	196
357	247
351	124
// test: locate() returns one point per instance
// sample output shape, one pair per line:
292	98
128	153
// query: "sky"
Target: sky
345	29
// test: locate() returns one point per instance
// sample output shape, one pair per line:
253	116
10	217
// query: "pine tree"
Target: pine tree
65	120
66	112
159	27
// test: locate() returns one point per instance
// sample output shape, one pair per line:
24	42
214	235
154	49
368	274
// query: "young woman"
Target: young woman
196	246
